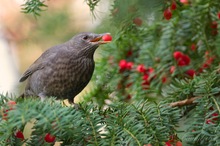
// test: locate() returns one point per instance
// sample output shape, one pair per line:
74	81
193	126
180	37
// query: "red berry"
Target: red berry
185	2
177	55
210	60
186	59
179	143
49	138
150	70
146	81
208	121
205	65
181	63
164	79
145	85
172	138
137	21
214	25
168	143
145	77
129	65
11	104
191	72
19	135
172	69
193	47
107	37
128	97
4	117
141	68
122	64
215	115
167	14
173	6
218	15
206	53
182	59
129	53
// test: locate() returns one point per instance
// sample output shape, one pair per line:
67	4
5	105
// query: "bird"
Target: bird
64	70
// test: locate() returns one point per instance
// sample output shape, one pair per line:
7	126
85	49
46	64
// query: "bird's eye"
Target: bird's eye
85	37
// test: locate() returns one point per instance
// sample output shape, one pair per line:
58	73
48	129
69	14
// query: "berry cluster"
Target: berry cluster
212	118
208	62
11	105
173	141
193	47
124	65
147	74
214	28
168	12
182	59
129	66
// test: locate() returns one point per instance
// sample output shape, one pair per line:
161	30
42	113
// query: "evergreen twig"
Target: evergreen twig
184	102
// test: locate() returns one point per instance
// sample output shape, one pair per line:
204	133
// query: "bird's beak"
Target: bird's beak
98	39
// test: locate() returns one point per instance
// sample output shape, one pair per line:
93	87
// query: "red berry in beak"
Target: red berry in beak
107	37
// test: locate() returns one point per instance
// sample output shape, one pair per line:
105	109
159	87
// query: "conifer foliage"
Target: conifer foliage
157	83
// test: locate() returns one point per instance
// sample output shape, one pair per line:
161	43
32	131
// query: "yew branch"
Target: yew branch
184	102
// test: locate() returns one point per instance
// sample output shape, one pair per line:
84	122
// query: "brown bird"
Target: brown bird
63	70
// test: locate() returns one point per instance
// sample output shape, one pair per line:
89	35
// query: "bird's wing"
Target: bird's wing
34	67
40	63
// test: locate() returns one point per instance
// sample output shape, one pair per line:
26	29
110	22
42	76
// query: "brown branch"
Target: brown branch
184	102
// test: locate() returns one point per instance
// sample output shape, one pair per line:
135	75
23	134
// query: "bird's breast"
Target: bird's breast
81	69
69	77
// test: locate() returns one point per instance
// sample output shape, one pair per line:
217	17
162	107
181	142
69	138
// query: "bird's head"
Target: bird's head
86	43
